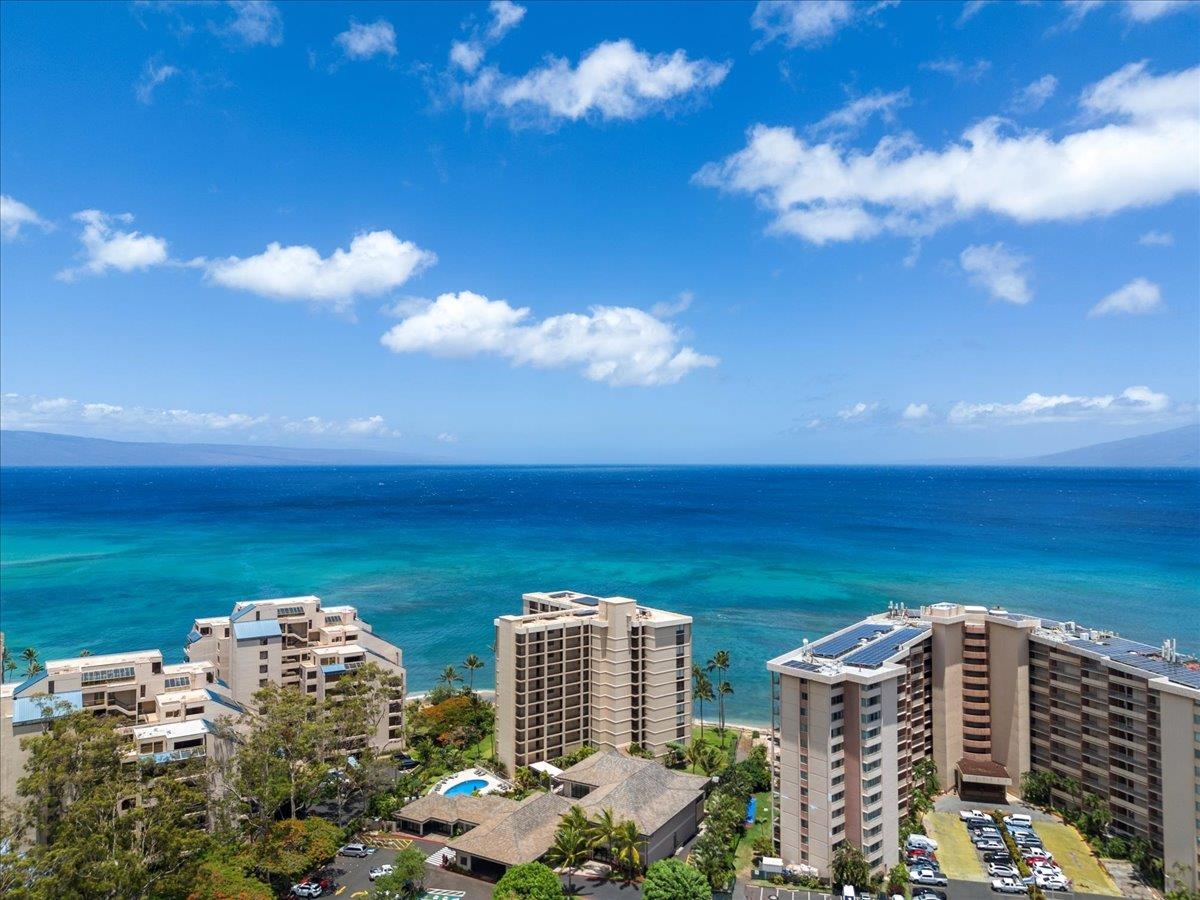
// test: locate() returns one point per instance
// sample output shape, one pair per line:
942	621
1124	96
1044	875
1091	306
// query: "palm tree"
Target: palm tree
720	664
710	760
701	691
603	830
576	818
449	676
725	690
692	753
32	666
570	848
85	652
472	664
627	845
10	664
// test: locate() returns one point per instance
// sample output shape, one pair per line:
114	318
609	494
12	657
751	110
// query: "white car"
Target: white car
1047	871
968	814
928	876
920	842
1054	884
989	844
999	870
307	889
1019	819
1008	886
380	871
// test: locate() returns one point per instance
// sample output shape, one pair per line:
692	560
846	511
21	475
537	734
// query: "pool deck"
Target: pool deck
490	782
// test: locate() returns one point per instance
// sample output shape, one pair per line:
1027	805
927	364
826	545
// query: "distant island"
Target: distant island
39	448
1176	448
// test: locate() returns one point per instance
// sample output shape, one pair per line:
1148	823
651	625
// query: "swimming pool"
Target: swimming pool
465	787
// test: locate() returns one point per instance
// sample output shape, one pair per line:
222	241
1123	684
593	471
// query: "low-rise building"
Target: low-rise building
574	669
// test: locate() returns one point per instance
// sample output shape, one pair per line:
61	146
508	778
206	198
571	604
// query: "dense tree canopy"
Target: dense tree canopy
672	879
531	881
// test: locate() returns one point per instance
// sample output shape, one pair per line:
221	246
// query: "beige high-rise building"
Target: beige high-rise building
574	669
989	695
169	709
297	642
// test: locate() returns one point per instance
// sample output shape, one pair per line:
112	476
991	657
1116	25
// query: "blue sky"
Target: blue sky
827	232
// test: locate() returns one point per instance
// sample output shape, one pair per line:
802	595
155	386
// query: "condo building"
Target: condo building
170	710
298	642
574	669
988	695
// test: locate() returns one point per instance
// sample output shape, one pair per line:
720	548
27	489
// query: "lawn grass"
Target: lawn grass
483	750
955	852
1075	858
762	825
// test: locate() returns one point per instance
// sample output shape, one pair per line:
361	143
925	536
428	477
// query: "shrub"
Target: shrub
672	879
529	881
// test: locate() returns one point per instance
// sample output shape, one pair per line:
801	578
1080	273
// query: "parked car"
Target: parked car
1008	886
358	850
1054	884
986	829
1046	871
998	856
928	876
1019	819
977	821
380	871
407	763
307	888
920	841
999	870
927	894
968	814
990	844
1031	854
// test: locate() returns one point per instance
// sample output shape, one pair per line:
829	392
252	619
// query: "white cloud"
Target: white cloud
255	22
361	41
376	262
1157	239
1136	298
467	55
506	15
916	412
14	215
106	247
1143	154
971	9
39	413
958	70
1149	10
809	23
1131	405
674	308
859	412
1003	273
620	346
1034	95
856	113
613	80
447	437
1077	11
153	74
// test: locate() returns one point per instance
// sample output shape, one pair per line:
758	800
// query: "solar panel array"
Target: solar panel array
840	643
877	652
800	664
1132	653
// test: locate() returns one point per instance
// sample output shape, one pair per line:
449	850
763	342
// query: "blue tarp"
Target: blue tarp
751	810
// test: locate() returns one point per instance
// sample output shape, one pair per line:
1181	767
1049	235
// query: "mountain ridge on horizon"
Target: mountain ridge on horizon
1173	448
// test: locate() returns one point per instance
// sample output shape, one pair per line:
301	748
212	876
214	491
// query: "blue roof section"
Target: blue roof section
193	636
1142	656
242	613
45	707
586	601
246	630
881	650
30	682
334	669
840	643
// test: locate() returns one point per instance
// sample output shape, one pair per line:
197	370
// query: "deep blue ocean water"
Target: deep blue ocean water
114	559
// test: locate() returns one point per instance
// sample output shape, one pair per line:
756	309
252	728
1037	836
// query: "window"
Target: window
262	682
102	676
335	619
263	642
177	681
263	654
262	670
290	611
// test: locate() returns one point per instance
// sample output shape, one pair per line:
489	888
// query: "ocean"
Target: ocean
762	557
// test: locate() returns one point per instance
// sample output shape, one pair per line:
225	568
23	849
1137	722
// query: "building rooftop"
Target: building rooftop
80	663
863	648
173	730
1154	662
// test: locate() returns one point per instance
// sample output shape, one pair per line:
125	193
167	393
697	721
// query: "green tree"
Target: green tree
576	818
602	831
627	848
1036	787
10	664
702	691
850	866
720	664
225	879
32	664
897	879
714	857
711	760
472	664
529	881
450	677
292	847
725	689
673	879
407	879
571	848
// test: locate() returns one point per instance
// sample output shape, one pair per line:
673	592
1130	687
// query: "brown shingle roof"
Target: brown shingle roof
466	809
650	794
521	836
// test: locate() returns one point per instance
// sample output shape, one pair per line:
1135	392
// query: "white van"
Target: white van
919	840
1019	819
848	892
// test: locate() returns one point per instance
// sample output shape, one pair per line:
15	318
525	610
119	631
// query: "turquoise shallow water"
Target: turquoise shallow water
763	557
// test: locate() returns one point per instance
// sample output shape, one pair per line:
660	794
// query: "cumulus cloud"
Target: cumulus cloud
1133	404
29	412
1141	152
375	263
255	22
1034	95
859	412
916	412
361	41
1136	298
106	246
1136	11
1157	239
469	54
14	215
1003	273
958	70
809	23
153	74
849	119
613	80
678	305
616	345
